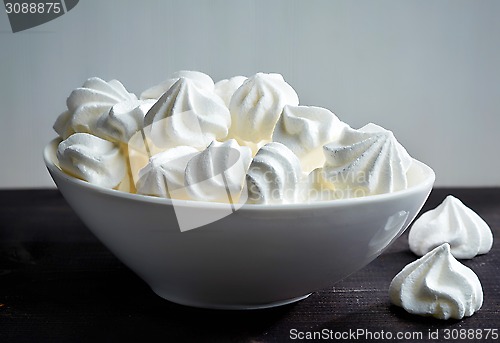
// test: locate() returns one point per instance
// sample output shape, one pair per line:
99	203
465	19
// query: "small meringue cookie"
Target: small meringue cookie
274	176
304	130
62	125
187	115
92	159
123	120
119	125
454	223
256	106
163	176
87	103
201	80
218	173
226	88
364	162
437	285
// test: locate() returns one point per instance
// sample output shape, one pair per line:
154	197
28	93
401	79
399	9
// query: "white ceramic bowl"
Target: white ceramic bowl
257	257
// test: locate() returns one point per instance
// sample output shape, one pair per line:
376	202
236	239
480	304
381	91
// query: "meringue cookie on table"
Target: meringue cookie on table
304	130
123	120
218	172
163	176
201	80
364	162
92	159
226	88
187	115
437	285
454	223
274	176
256	106
86	104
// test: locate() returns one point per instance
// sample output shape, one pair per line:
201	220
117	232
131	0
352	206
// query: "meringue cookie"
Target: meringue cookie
365	162
87	103
123	120
62	125
187	115
163	176
218	173
437	285
304	130
454	223
226	88
201	80
92	159
274	176
256	106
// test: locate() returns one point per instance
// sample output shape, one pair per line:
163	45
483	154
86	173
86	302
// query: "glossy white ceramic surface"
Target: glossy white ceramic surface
259	256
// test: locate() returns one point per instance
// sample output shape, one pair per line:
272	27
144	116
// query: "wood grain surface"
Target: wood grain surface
58	283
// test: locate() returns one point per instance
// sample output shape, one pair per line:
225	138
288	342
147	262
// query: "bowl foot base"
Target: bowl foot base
217	306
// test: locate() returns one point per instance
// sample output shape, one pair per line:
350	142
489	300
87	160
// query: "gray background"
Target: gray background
427	70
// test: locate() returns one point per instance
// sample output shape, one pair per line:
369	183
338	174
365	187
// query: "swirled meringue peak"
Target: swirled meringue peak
92	159
364	162
226	88
187	115
256	106
123	120
437	285
304	130
454	223
201	80
163	176
274	176
218	173
88	103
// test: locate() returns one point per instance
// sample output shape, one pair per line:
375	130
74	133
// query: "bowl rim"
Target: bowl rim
428	181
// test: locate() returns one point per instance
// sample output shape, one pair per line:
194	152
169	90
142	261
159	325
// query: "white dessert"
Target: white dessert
226	88
163	176
123	120
274	176
92	159
218	173
88	103
437	285
187	115
454	223
256	106
302	153
304	130
201	80
364	162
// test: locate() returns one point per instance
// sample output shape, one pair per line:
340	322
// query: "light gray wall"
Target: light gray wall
428	70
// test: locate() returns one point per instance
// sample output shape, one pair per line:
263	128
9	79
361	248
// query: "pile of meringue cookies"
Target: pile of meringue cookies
437	284
241	140
248	140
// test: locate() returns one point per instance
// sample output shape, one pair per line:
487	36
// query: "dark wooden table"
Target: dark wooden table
58	283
